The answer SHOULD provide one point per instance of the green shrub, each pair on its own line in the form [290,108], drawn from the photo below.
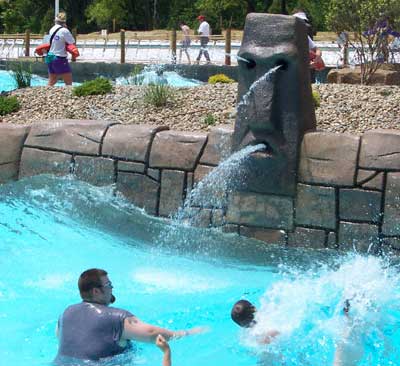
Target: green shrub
[209,120]
[316,98]
[22,74]
[220,78]
[8,105]
[158,94]
[93,87]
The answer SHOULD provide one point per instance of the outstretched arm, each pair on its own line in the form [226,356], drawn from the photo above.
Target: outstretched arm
[135,329]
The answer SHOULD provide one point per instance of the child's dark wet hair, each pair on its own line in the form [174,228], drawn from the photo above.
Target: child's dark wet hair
[242,313]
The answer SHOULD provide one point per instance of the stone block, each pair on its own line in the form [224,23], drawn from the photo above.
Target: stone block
[139,189]
[230,229]
[177,150]
[96,171]
[307,238]
[8,171]
[391,218]
[370,179]
[359,205]
[332,240]
[360,237]
[154,173]
[68,135]
[316,206]
[189,182]
[392,242]
[11,141]
[269,236]
[217,217]
[201,171]
[329,158]
[172,190]
[258,210]
[130,142]
[219,145]
[380,149]
[127,166]
[35,162]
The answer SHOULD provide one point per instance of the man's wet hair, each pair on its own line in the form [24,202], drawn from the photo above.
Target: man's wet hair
[243,313]
[90,279]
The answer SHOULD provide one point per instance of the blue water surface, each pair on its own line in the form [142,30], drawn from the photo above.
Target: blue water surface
[52,229]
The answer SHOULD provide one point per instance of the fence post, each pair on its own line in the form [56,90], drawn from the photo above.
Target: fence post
[74,34]
[173,45]
[122,46]
[228,39]
[27,41]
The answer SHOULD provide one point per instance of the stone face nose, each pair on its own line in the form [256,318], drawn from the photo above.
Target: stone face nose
[275,102]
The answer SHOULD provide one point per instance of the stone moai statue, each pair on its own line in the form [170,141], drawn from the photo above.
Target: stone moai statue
[276,109]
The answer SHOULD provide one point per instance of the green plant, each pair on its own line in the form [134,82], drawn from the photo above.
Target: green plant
[386,92]
[220,78]
[135,76]
[22,74]
[8,105]
[209,120]
[93,87]
[158,94]
[365,26]
[316,98]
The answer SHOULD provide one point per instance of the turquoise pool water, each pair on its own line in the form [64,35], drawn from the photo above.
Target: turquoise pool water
[52,229]
[7,82]
[171,78]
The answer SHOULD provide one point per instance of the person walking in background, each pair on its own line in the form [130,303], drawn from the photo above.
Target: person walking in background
[204,32]
[163,345]
[185,42]
[56,59]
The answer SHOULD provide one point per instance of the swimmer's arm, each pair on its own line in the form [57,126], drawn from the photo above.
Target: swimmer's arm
[268,337]
[135,329]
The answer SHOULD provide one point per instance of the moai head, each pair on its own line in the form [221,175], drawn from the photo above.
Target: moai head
[276,109]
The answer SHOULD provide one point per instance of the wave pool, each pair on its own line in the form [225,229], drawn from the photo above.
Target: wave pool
[52,229]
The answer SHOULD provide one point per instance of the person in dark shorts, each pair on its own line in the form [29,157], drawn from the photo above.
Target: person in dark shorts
[93,330]
[61,36]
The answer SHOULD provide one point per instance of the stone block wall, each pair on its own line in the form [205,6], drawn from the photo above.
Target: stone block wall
[347,194]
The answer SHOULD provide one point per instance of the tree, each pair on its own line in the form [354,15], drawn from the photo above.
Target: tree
[102,12]
[369,22]
[224,11]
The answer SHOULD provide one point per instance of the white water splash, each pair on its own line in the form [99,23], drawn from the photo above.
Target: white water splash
[265,78]
[213,190]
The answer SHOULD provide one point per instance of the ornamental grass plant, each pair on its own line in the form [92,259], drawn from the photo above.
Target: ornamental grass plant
[97,86]
[22,74]
[158,95]
[8,105]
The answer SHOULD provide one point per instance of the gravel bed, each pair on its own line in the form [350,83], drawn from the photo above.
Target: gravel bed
[344,108]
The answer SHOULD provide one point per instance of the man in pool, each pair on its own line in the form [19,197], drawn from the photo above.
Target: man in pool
[92,330]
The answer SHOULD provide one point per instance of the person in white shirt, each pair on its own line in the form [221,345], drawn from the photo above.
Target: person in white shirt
[204,32]
[61,36]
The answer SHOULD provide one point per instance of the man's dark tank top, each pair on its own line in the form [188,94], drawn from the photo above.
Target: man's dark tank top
[91,331]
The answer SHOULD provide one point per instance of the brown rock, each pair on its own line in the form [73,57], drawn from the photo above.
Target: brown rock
[391,219]
[130,142]
[218,146]
[140,189]
[35,162]
[307,238]
[316,206]
[172,189]
[359,205]
[68,135]
[380,149]
[177,150]
[96,171]
[328,158]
